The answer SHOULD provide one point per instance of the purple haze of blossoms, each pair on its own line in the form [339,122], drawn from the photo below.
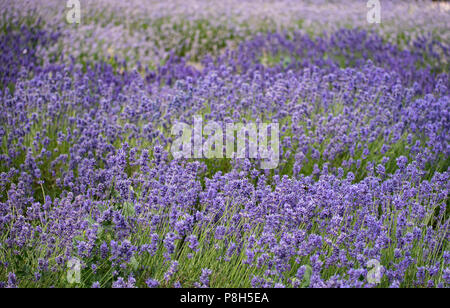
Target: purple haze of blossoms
[86,171]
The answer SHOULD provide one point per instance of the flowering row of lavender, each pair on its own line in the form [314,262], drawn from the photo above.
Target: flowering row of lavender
[147,31]
[91,195]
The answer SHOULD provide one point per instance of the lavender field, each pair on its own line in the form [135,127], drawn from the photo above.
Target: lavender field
[92,195]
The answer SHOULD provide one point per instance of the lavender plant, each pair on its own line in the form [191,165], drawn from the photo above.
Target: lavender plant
[359,198]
